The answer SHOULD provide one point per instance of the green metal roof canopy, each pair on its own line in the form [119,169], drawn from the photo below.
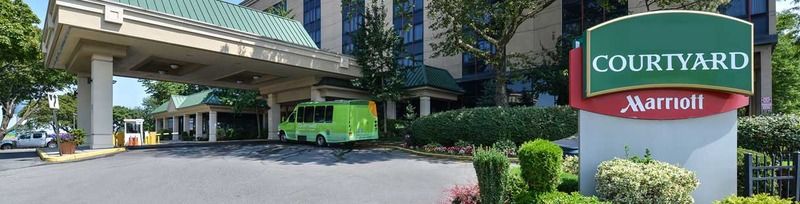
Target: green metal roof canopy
[231,16]
[206,97]
[420,76]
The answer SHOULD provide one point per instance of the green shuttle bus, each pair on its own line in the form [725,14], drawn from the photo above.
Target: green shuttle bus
[331,122]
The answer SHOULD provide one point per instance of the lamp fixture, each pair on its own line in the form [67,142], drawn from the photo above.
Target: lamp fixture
[174,66]
[161,72]
[256,77]
[239,81]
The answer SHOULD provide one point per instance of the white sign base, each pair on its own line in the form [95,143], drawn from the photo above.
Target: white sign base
[706,146]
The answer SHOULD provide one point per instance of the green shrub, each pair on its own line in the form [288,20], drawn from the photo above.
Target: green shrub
[569,183]
[462,143]
[626,181]
[491,167]
[485,126]
[756,199]
[773,134]
[515,186]
[540,161]
[505,145]
[186,137]
[740,179]
[565,198]
[571,164]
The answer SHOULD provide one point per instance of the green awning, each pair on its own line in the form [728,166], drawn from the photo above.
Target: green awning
[231,16]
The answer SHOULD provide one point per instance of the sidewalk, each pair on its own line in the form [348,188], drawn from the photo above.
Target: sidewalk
[174,144]
[51,154]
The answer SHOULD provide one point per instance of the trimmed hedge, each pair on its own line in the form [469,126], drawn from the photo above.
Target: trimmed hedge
[773,134]
[540,161]
[491,167]
[485,126]
[627,181]
[756,199]
[569,183]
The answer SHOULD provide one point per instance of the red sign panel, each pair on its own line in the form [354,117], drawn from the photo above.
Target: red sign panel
[654,104]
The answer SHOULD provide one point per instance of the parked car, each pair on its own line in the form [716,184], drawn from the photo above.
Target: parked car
[30,140]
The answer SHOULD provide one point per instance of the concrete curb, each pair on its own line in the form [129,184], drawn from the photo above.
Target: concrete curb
[202,144]
[439,156]
[78,157]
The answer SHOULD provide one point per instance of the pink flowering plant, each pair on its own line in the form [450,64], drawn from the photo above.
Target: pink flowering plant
[466,194]
[466,149]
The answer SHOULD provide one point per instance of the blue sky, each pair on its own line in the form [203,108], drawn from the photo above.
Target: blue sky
[127,91]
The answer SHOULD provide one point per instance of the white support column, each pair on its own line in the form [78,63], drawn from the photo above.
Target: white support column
[175,132]
[273,117]
[198,125]
[186,123]
[164,123]
[156,124]
[84,103]
[212,126]
[424,106]
[316,95]
[391,110]
[101,95]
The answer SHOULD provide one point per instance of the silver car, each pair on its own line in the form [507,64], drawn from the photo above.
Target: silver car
[30,140]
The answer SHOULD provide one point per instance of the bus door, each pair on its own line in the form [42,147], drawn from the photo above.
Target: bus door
[306,128]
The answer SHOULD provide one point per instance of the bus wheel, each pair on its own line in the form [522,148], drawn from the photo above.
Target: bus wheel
[282,136]
[321,141]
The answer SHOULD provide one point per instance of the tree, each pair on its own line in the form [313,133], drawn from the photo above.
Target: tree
[657,5]
[377,51]
[41,116]
[786,65]
[281,11]
[19,36]
[491,22]
[548,72]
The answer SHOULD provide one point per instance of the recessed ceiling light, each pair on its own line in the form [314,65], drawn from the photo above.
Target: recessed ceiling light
[174,66]
[161,72]
[256,77]
[238,81]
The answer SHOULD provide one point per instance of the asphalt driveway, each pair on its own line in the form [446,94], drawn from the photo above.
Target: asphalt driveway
[18,158]
[240,173]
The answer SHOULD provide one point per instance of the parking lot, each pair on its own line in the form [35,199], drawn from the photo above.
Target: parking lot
[240,173]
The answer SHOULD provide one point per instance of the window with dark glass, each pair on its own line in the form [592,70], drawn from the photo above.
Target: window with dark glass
[300,114]
[411,29]
[290,118]
[328,114]
[757,13]
[352,18]
[309,114]
[579,15]
[312,20]
[319,114]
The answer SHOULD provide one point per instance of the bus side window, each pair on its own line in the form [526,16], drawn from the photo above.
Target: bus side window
[319,114]
[328,114]
[309,114]
[300,114]
[291,117]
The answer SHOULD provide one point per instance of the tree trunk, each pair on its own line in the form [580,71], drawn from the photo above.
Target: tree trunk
[500,79]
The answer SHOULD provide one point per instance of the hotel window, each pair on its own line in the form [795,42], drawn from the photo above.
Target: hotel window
[312,20]
[757,13]
[579,15]
[413,36]
[352,19]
